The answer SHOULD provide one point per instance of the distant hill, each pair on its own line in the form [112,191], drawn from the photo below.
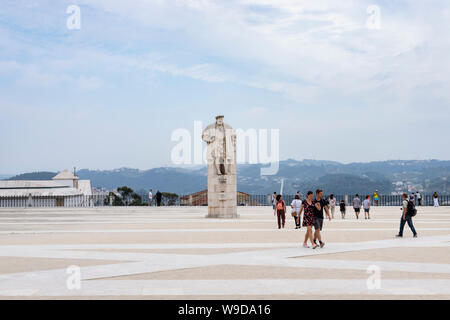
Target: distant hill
[334,177]
[181,181]
[348,184]
[34,176]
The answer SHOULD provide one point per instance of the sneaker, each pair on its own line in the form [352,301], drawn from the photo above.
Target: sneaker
[305,245]
[398,236]
[315,246]
[322,244]
[415,236]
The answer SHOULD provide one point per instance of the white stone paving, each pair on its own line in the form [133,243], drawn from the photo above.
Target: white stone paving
[197,230]
[96,280]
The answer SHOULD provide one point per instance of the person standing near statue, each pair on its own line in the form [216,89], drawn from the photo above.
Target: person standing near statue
[158,198]
[150,198]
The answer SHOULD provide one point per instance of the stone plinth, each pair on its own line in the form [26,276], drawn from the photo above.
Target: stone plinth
[222,194]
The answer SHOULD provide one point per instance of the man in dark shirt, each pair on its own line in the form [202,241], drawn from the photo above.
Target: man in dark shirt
[158,198]
[320,204]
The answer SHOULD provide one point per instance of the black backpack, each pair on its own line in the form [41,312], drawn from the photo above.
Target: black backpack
[411,209]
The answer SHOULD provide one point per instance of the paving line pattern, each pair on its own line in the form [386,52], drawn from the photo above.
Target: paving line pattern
[98,280]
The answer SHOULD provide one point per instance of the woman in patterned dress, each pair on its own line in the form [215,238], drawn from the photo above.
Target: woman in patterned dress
[308,219]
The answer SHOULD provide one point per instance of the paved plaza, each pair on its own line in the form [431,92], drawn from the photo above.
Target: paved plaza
[175,253]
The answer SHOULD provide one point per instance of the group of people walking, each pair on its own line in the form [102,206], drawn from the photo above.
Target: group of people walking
[314,205]
[357,206]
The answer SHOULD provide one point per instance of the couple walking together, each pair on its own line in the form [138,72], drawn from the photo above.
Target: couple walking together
[312,216]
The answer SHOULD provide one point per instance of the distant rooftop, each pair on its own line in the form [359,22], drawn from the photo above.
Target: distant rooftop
[39,192]
[55,187]
[30,184]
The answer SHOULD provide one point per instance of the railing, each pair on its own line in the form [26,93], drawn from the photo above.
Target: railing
[76,201]
[100,200]
[266,200]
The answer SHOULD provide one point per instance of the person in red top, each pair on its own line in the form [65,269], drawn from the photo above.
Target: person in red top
[281,212]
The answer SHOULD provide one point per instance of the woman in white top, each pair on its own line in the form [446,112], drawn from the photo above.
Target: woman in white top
[274,203]
[332,204]
[436,199]
[296,205]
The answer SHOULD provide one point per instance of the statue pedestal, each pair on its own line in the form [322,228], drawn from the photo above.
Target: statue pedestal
[221,158]
[222,194]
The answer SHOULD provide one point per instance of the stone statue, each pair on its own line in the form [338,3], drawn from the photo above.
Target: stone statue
[221,150]
[221,159]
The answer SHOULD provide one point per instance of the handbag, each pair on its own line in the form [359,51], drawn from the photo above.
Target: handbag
[293,212]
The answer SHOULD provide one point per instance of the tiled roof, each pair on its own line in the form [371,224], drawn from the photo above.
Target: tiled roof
[27,184]
[65,175]
[39,192]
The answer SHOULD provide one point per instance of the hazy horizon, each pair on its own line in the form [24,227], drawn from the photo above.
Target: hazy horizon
[200,166]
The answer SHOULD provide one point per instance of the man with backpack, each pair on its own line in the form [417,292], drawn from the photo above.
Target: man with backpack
[409,211]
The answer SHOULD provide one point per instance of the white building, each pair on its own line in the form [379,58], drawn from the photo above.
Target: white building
[64,190]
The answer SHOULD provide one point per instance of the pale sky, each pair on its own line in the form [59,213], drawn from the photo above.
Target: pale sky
[110,94]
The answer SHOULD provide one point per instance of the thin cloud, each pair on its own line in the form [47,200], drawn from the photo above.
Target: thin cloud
[295,60]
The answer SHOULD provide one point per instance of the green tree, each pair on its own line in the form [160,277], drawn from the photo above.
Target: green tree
[170,198]
[129,197]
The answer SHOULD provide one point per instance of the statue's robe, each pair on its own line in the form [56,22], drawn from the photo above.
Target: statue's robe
[222,149]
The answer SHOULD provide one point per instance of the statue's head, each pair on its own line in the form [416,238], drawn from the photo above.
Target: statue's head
[219,120]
